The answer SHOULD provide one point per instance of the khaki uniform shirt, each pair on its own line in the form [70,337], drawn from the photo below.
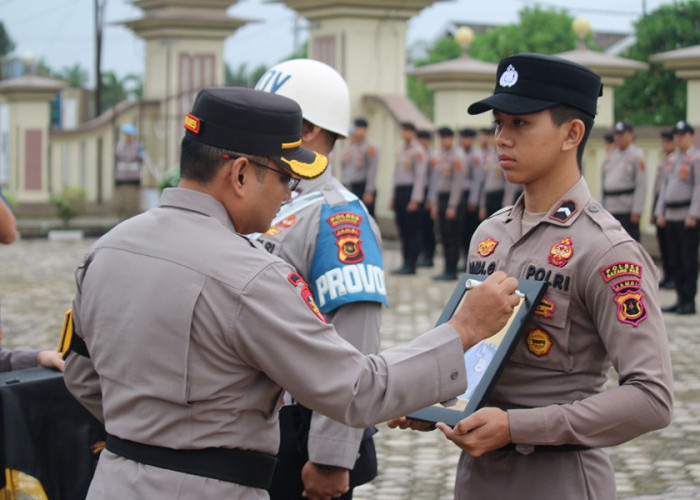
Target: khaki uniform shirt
[295,239]
[601,308]
[448,169]
[494,180]
[474,179]
[624,171]
[411,169]
[193,330]
[663,170]
[679,196]
[359,164]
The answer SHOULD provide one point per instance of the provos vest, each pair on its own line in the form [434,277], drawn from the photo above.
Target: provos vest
[347,265]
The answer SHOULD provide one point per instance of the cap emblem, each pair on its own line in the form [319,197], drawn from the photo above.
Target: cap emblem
[509,77]
[680,125]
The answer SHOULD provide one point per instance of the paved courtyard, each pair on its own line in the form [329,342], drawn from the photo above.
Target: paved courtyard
[36,287]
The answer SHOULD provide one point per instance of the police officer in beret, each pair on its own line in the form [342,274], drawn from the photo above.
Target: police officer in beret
[410,177]
[547,422]
[678,211]
[427,226]
[665,167]
[625,179]
[448,171]
[186,330]
[359,163]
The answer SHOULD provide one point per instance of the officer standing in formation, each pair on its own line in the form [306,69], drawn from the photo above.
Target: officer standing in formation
[359,164]
[448,172]
[182,348]
[471,188]
[624,180]
[492,190]
[410,177]
[547,422]
[328,236]
[665,167]
[427,228]
[678,211]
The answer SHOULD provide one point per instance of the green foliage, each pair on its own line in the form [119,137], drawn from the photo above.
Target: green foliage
[171,178]
[115,89]
[547,31]
[74,76]
[657,96]
[241,77]
[6,43]
[69,203]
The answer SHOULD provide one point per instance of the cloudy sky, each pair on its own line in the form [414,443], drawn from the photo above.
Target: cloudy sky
[61,32]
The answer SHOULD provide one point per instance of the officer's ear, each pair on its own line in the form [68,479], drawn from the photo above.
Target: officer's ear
[239,174]
[575,131]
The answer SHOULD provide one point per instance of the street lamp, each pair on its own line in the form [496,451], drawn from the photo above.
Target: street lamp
[464,36]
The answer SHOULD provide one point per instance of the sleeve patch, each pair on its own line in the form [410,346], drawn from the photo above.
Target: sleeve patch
[305,292]
[627,289]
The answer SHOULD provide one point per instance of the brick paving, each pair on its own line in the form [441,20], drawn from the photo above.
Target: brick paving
[37,286]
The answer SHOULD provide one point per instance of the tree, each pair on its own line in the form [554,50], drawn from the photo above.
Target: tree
[657,96]
[74,76]
[547,31]
[242,77]
[115,90]
[6,43]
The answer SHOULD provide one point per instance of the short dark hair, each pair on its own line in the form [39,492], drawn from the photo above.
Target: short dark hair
[562,113]
[609,138]
[666,134]
[200,162]
[424,134]
[408,126]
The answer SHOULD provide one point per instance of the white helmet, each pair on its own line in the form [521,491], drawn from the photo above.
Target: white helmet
[319,90]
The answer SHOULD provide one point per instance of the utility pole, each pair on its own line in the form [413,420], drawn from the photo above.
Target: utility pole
[99,23]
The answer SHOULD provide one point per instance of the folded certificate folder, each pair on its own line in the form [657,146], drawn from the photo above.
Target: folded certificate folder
[484,361]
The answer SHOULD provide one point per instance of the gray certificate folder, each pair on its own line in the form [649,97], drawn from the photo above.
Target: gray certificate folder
[484,361]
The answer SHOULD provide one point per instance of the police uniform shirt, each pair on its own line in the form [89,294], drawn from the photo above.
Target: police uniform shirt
[680,195]
[624,181]
[662,171]
[194,329]
[359,164]
[411,169]
[341,262]
[601,308]
[475,175]
[448,169]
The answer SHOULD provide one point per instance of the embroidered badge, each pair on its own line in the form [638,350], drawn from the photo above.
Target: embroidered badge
[192,123]
[287,223]
[349,245]
[561,252]
[619,269]
[299,283]
[487,247]
[630,307]
[545,308]
[539,342]
[565,211]
[343,218]
[509,77]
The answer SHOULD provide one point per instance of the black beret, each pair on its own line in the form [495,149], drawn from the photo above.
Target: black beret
[361,122]
[446,132]
[253,122]
[528,83]
[621,127]
[683,127]
[666,134]
[467,132]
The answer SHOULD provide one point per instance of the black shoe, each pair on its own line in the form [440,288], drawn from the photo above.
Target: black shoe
[445,277]
[670,309]
[424,262]
[403,270]
[688,308]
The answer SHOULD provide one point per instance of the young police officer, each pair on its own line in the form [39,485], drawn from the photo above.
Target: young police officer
[189,329]
[543,430]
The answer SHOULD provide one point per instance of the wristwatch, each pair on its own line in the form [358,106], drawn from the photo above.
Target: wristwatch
[326,469]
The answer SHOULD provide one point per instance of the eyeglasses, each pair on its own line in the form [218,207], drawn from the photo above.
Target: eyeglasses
[286,178]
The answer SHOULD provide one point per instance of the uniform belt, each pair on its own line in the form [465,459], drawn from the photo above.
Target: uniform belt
[677,204]
[244,467]
[618,192]
[544,447]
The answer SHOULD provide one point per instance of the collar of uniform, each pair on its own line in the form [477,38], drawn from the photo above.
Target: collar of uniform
[308,185]
[564,211]
[196,201]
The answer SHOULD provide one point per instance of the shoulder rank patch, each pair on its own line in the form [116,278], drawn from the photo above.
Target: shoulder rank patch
[561,252]
[487,247]
[539,342]
[565,211]
[299,283]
